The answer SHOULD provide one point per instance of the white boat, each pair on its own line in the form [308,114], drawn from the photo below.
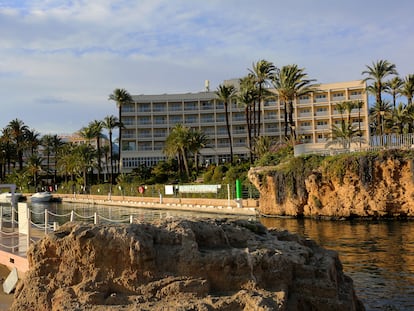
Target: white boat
[6,197]
[44,196]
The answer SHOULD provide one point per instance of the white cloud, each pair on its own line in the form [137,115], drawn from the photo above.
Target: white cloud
[67,56]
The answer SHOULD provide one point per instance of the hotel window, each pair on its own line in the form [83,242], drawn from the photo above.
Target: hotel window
[175,106]
[144,107]
[129,146]
[144,120]
[159,120]
[206,105]
[320,97]
[190,106]
[159,107]
[128,108]
[176,119]
[338,96]
[128,121]
[191,119]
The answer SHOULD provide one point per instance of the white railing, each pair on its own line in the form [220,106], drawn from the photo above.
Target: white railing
[377,142]
[25,225]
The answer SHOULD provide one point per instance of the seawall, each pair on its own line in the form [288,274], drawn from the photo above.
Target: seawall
[220,206]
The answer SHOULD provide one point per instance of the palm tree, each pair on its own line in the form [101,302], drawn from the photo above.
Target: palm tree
[177,144]
[344,135]
[109,123]
[393,88]
[379,112]
[400,118]
[18,131]
[32,140]
[85,156]
[377,73]
[263,145]
[8,148]
[97,127]
[47,143]
[34,166]
[66,162]
[290,83]
[57,144]
[197,140]
[225,93]
[349,106]
[407,88]
[121,97]
[262,72]
[246,97]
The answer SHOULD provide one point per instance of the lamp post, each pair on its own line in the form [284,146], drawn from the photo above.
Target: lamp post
[382,113]
[292,127]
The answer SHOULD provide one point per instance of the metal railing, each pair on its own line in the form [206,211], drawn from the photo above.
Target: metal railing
[25,225]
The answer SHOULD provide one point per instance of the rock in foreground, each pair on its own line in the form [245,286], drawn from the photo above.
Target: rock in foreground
[182,265]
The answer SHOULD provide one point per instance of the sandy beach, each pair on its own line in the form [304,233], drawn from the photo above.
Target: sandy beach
[5,299]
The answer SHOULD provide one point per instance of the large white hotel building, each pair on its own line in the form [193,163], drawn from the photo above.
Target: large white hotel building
[150,118]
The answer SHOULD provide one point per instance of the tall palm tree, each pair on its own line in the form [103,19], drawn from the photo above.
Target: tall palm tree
[109,123]
[8,148]
[377,73]
[379,112]
[225,93]
[290,83]
[344,135]
[407,88]
[178,145]
[85,156]
[34,166]
[97,127]
[121,97]
[400,118]
[246,97]
[57,144]
[47,143]
[32,140]
[393,88]
[262,71]
[18,132]
[349,106]
[66,162]
[197,140]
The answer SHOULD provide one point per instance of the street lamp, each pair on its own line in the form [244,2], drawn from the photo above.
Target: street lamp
[382,113]
[292,127]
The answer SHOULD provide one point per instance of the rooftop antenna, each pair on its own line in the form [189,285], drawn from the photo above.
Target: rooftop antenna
[207,85]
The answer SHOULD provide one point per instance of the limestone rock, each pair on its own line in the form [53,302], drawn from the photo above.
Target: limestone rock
[182,265]
[386,190]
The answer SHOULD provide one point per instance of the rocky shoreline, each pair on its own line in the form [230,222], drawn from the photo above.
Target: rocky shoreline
[176,264]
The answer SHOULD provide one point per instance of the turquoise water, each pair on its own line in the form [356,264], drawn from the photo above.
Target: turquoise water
[378,255]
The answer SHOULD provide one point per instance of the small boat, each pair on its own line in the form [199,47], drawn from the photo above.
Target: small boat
[44,196]
[6,197]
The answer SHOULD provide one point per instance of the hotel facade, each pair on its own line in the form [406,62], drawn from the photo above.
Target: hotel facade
[149,119]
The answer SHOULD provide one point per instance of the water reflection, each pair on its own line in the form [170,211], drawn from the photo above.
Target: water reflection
[378,255]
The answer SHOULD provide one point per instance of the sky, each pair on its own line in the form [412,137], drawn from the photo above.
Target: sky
[60,59]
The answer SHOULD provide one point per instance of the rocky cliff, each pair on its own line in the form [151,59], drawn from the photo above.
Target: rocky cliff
[182,265]
[371,185]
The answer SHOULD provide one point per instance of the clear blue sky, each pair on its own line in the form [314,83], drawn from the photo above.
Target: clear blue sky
[60,59]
